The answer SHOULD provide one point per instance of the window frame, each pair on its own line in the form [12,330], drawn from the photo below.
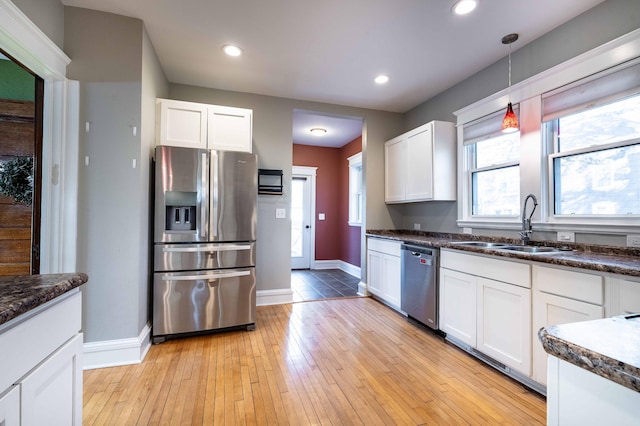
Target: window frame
[355,164]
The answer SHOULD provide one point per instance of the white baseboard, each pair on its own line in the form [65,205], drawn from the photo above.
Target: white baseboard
[362,289]
[274,297]
[111,353]
[338,264]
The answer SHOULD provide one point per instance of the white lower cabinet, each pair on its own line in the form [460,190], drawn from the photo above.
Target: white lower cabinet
[561,297]
[383,270]
[458,305]
[10,407]
[504,323]
[41,371]
[52,393]
[488,314]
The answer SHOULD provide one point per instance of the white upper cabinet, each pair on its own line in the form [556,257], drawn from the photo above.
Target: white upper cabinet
[195,125]
[229,129]
[420,165]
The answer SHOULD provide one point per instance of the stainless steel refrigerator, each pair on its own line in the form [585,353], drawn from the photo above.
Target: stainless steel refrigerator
[204,241]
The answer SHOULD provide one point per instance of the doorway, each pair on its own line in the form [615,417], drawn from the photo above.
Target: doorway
[21,118]
[303,188]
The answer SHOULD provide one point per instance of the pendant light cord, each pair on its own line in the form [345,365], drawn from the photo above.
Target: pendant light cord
[509,72]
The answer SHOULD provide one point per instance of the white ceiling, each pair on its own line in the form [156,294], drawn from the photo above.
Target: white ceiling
[330,51]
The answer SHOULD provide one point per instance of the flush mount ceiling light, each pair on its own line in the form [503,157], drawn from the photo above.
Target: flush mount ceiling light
[462,7]
[510,120]
[231,50]
[318,131]
[381,79]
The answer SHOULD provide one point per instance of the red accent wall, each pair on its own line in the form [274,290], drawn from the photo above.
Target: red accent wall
[335,239]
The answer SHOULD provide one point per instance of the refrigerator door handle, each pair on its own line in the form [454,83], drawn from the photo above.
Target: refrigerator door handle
[212,276]
[226,247]
[214,193]
[204,185]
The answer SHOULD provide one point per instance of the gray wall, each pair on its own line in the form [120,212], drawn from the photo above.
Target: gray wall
[48,15]
[154,85]
[110,55]
[605,22]
[272,141]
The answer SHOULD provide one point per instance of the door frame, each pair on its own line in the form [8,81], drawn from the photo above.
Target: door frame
[309,173]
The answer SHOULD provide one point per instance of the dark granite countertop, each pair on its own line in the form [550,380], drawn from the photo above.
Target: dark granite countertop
[608,347]
[611,259]
[21,293]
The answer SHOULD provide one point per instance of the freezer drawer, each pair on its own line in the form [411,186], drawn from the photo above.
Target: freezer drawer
[193,301]
[192,257]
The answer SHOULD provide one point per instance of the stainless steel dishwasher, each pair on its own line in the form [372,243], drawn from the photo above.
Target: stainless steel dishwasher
[420,284]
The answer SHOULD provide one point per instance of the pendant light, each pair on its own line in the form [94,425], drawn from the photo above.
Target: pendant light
[510,120]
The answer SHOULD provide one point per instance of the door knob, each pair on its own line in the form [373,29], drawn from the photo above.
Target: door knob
[307,227]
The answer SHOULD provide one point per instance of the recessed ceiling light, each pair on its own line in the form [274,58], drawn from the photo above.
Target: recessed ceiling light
[232,50]
[462,7]
[318,131]
[381,79]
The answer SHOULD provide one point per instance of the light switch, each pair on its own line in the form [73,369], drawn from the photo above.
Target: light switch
[281,213]
[321,216]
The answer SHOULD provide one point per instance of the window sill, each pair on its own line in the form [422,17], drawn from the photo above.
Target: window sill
[359,224]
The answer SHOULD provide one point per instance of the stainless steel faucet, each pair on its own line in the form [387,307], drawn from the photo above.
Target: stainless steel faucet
[525,234]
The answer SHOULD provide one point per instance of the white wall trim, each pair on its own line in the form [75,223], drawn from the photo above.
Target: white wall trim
[338,264]
[274,297]
[362,289]
[26,43]
[111,353]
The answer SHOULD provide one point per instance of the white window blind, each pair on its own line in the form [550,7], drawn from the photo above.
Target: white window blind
[618,82]
[486,127]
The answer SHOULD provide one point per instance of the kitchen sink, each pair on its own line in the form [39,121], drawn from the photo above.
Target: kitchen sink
[481,244]
[532,249]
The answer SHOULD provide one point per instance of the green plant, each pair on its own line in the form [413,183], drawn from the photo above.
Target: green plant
[16,179]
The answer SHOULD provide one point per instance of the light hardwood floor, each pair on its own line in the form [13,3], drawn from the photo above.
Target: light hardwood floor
[341,361]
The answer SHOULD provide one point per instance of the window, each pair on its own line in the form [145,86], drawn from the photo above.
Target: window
[493,169]
[593,131]
[355,189]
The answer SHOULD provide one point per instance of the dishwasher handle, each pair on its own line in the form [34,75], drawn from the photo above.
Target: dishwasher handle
[420,251]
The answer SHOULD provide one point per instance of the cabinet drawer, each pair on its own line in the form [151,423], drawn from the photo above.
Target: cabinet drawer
[575,285]
[384,246]
[495,269]
[30,342]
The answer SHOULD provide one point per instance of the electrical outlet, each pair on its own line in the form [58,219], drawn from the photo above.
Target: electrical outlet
[416,226]
[321,216]
[281,213]
[633,240]
[567,237]
[467,230]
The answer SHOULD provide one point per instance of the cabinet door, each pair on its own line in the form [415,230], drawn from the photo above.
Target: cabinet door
[391,276]
[52,393]
[419,166]
[10,407]
[458,305]
[549,309]
[181,124]
[395,164]
[504,323]
[229,128]
[374,272]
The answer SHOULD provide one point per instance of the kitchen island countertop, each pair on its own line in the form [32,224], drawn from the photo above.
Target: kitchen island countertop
[21,293]
[607,347]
